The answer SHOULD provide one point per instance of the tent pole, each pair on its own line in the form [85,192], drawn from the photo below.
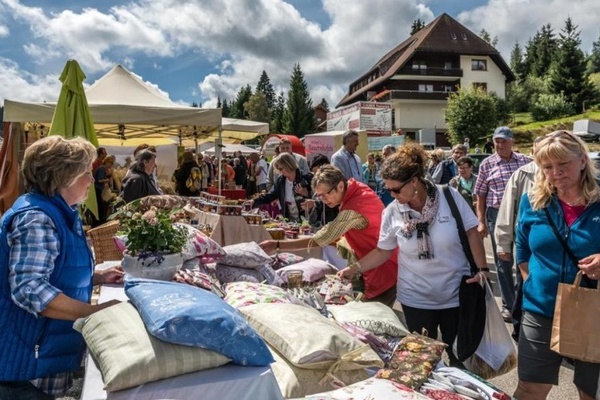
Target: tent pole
[218,143]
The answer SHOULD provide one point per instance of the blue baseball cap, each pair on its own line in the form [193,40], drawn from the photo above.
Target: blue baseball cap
[503,132]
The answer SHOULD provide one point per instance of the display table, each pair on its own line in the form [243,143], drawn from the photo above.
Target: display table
[232,194]
[226,382]
[232,229]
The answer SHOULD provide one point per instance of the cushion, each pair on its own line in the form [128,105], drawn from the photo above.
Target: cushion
[240,294]
[307,339]
[372,316]
[200,245]
[312,269]
[284,259]
[245,255]
[335,290]
[371,388]
[127,355]
[191,316]
[226,274]
[297,382]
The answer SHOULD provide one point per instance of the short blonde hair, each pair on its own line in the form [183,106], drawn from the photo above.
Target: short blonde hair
[53,163]
[559,145]
[285,160]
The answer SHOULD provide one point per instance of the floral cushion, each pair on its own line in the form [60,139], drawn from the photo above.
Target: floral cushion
[281,260]
[191,316]
[335,290]
[313,269]
[245,255]
[226,274]
[200,245]
[128,356]
[413,360]
[240,294]
[371,388]
[307,339]
[372,316]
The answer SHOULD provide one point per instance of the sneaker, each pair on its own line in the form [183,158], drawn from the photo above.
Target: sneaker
[507,316]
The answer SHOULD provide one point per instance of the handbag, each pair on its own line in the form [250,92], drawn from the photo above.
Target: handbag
[576,332]
[472,309]
[106,193]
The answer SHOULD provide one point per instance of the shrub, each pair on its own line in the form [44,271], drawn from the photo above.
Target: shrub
[551,106]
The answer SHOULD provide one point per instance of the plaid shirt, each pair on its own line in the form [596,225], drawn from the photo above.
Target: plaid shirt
[33,249]
[494,173]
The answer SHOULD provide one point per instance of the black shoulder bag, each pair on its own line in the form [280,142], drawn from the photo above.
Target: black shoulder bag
[472,309]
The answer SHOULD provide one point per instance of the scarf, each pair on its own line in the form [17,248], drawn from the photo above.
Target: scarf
[421,225]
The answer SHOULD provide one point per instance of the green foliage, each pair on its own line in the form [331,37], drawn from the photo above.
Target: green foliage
[416,26]
[540,51]
[593,61]
[237,108]
[502,109]
[485,35]
[470,113]
[153,233]
[298,118]
[521,95]
[225,110]
[278,111]
[517,64]
[257,108]
[549,106]
[264,86]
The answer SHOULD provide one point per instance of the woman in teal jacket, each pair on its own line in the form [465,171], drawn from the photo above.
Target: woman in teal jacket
[565,193]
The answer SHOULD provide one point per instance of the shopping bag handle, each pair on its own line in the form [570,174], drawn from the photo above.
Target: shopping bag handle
[578,278]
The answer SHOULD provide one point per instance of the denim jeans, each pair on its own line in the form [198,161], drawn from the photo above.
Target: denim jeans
[504,269]
[22,391]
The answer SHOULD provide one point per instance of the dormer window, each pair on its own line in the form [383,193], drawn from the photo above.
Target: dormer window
[478,65]
[464,36]
[453,35]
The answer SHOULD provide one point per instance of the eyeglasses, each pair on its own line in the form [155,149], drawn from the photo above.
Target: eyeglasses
[326,193]
[399,189]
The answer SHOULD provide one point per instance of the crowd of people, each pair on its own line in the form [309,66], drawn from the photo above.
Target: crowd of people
[392,211]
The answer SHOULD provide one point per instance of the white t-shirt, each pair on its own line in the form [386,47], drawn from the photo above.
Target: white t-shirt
[261,177]
[429,284]
[290,199]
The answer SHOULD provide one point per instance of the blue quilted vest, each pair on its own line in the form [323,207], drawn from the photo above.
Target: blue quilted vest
[34,347]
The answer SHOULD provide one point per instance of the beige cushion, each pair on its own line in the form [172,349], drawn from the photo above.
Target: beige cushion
[297,382]
[307,339]
[372,316]
[127,355]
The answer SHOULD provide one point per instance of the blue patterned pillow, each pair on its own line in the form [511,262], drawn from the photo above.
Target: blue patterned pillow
[186,315]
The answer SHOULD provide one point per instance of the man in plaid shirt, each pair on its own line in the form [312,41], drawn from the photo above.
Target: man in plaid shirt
[494,173]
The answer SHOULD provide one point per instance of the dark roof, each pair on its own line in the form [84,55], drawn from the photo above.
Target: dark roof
[437,37]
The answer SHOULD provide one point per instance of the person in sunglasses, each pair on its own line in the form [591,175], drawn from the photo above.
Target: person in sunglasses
[431,260]
[358,221]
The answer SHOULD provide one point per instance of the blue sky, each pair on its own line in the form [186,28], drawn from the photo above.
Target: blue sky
[195,51]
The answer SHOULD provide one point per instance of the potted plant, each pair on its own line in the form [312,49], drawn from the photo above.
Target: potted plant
[154,244]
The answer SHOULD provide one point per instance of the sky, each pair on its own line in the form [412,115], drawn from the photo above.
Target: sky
[196,51]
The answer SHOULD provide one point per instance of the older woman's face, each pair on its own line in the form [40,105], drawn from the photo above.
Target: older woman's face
[563,174]
[330,196]
[77,191]
[289,174]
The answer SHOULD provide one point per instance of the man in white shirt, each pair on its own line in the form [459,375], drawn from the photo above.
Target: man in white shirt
[345,159]
[260,171]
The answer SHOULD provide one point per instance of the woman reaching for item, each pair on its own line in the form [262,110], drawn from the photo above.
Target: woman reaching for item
[358,221]
[431,260]
[46,272]
[566,195]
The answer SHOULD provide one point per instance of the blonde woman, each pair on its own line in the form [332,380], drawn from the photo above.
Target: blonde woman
[565,194]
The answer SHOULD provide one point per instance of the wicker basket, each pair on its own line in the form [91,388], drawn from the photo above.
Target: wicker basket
[104,246]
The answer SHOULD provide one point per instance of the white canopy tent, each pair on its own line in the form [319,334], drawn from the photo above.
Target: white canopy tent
[232,148]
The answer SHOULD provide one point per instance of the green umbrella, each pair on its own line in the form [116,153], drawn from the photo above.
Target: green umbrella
[72,116]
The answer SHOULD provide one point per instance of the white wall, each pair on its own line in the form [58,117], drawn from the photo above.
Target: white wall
[166,158]
[494,77]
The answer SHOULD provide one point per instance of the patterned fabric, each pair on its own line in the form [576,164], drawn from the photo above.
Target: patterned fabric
[200,245]
[190,316]
[345,220]
[241,294]
[227,274]
[288,258]
[128,356]
[413,360]
[421,225]
[312,269]
[371,388]
[336,291]
[372,316]
[494,173]
[245,255]
[307,339]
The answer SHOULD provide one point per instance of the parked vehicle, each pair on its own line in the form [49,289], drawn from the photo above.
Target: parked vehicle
[477,159]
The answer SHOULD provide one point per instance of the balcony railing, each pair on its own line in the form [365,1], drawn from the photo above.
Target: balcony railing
[431,71]
[413,95]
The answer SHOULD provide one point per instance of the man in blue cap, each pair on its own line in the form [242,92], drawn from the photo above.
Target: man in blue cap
[494,173]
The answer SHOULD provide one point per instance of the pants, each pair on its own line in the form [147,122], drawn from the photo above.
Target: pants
[22,390]
[504,269]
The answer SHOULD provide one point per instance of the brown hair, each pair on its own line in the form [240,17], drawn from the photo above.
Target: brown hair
[408,161]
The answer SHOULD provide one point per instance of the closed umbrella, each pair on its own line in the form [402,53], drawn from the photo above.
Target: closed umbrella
[72,116]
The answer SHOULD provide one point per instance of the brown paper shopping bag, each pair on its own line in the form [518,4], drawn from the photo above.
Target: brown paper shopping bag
[576,326]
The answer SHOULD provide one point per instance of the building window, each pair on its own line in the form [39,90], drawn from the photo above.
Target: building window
[420,65]
[478,65]
[425,88]
[480,85]
[447,88]
[447,65]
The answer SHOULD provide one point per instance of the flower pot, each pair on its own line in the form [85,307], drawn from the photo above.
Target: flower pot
[161,268]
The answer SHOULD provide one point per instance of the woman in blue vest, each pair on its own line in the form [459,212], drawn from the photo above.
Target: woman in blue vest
[46,271]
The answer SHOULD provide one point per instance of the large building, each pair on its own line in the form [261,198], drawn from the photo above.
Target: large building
[418,75]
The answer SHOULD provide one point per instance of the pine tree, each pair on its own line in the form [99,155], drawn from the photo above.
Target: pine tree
[485,35]
[593,61]
[264,86]
[416,26]
[545,51]
[225,110]
[517,63]
[324,104]
[299,115]
[278,111]
[218,101]
[567,76]
[237,108]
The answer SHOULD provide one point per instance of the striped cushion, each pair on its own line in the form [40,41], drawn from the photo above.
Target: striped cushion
[127,355]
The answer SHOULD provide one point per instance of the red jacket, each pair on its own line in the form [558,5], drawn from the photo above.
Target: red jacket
[362,199]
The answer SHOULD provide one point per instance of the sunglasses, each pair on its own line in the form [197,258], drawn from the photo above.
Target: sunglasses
[564,134]
[399,189]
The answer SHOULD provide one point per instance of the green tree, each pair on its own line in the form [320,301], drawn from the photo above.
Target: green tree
[278,111]
[257,109]
[593,61]
[545,51]
[299,115]
[225,110]
[521,95]
[517,64]
[324,104]
[551,106]
[470,113]
[265,87]
[219,104]
[485,35]
[237,108]
[416,26]
[567,76]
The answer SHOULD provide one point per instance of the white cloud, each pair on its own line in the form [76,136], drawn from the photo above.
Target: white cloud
[4,30]
[16,84]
